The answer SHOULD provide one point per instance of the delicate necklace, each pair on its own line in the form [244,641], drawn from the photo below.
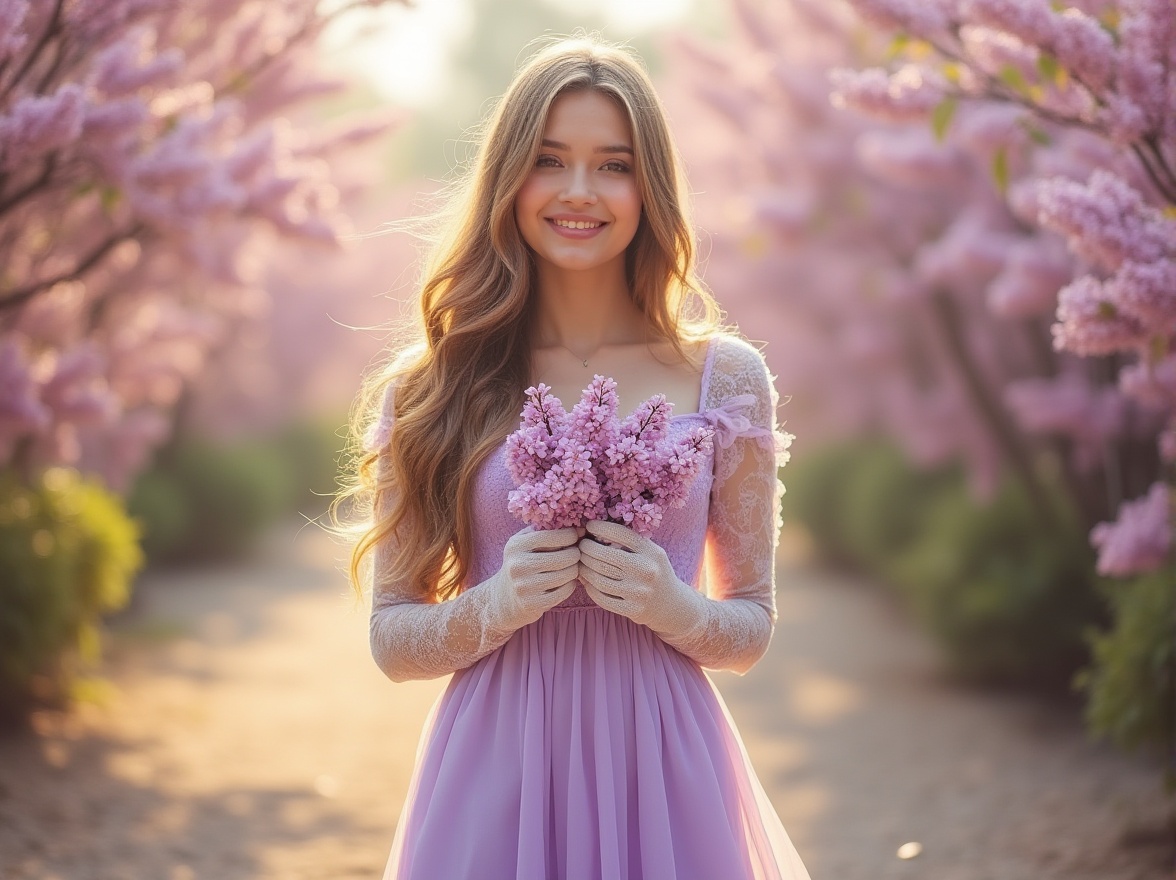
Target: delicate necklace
[582,360]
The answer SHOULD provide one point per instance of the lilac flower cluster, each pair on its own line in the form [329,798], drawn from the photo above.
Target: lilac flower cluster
[1139,541]
[551,455]
[584,465]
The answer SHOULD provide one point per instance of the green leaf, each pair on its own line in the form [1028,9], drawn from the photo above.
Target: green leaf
[1013,78]
[941,116]
[1047,66]
[110,198]
[1000,170]
[897,45]
[1157,348]
[1038,135]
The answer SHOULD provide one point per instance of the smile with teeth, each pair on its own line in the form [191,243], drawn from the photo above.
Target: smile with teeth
[577,224]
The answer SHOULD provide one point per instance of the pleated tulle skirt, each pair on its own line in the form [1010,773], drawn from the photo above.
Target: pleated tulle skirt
[585,748]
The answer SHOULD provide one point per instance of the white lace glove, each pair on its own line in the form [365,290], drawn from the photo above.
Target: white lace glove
[412,638]
[633,577]
[539,570]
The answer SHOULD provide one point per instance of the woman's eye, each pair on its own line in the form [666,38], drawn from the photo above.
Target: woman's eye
[616,165]
[547,162]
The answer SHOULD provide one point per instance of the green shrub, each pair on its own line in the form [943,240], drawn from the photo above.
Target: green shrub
[204,500]
[1008,598]
[1130,684]
[863,503]
[310,450]
[164,513]
[819,484]
[68,553]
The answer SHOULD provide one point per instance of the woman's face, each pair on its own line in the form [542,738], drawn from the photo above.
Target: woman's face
[579,207]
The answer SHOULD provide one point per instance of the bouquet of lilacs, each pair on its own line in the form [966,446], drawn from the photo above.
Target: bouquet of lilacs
[585,465]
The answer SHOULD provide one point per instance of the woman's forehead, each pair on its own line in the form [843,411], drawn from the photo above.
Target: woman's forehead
[587,115]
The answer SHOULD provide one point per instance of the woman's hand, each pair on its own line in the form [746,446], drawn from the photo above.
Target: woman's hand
[633,577]
[539,570]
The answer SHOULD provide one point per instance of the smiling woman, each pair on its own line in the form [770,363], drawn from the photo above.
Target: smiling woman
[580,205]
[579,737]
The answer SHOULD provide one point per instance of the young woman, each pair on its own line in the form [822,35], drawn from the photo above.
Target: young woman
[578,737]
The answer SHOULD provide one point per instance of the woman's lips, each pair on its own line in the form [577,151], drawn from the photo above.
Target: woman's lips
[569,232]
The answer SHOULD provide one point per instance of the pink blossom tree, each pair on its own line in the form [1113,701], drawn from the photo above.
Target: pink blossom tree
[979,259]
[1092,89]
[148,169]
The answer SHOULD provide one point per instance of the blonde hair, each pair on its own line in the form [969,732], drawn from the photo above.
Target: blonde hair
[459,392]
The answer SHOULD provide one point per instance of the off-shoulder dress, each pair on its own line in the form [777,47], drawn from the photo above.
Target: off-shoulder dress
[583,746]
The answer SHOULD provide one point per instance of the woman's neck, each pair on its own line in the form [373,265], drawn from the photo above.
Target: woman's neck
[586,310]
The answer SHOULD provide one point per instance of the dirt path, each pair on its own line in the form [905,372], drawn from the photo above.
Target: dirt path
[249,735]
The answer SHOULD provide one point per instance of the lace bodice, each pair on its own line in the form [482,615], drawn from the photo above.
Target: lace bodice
[722,541]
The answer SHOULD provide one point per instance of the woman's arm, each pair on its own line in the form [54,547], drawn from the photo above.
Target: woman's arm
[631,575]
[414,638]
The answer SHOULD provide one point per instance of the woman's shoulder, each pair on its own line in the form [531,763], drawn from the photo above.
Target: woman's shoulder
[733,352]
[383,415]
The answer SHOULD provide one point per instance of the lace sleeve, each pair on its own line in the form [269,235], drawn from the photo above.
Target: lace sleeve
[410,636]
[744,515]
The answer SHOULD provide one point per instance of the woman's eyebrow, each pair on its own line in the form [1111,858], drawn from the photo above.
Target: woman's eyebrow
[612,148]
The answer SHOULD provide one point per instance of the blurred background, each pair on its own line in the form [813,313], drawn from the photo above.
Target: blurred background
[953,227]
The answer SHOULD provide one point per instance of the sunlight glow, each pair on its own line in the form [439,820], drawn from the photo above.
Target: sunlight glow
[634,16]
[403,51]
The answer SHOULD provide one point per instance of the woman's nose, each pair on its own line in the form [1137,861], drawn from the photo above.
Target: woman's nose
[579,187]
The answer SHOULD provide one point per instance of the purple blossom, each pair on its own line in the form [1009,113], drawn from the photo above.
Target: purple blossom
[1028,285]
[921,18]
[911,157]
[970,250]
[1105,219]
[1152,384]
[993,51]
[1092,417]
[21,409]
[1142,104]
[1089,323]
[129,65]
[985,128]
[1147,292]
[1078,41]
[12,37]
[37,125]
[573,467]
[1140,539]
[77,391]
[910,93]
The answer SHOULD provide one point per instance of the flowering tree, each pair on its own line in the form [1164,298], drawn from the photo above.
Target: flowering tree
[147,167]
[1052,74]
[956,221]
[989,244]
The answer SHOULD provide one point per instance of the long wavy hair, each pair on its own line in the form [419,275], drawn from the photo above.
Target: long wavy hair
[459,389]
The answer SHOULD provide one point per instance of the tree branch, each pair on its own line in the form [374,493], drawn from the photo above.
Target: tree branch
[51,28]
[8,202]
[21,295]
[1152,175]
[990,408]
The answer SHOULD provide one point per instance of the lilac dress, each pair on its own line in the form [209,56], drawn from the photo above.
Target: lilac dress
[583,746]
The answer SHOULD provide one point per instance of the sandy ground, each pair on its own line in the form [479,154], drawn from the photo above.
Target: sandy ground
[247,734]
